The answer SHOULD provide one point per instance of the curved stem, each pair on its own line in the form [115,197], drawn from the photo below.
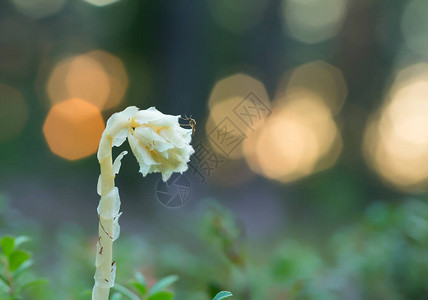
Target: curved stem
[119,127]
[104,254]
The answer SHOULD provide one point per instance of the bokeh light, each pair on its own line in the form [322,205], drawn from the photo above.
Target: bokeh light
[101,2]
[13,113]
[298,139]
[73,129]
[239,15]
[322,79]
[118,77]
[396,138]
[239,86]
[414,25]
[313,21]
[241,99]
[236,131]
[39,8]
[97,77]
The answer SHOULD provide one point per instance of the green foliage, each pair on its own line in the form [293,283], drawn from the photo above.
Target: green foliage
[138,289]
[384,256]
[162,284]
[163,295]
[380,255]
[222,229]
[15,279]
[7,244]
[139,284]
[116,296]
[222,295]
[292,261]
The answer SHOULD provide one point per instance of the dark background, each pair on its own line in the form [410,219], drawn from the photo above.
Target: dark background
[174,53]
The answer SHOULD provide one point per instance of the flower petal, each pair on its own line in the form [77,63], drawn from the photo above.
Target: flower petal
[157,140]
[155,118]
[117,162]
[142,155]
[116,228]
[109,205]
[151,139]
[177,137]
[99,185]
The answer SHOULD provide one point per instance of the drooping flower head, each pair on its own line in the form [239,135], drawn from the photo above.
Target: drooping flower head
[157,140]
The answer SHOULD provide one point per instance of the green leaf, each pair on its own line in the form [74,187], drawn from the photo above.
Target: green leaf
[17,258]
[222,295]
[140,278]
[164,295]
[116,296]
[20,240]
[33,283]
[7,243]
[86,292]
[22,268]
[139,283]
[4,285]
[139,287]
[3,278]
[163,283]
[126,292]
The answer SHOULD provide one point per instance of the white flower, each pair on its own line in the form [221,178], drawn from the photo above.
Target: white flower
[157,140]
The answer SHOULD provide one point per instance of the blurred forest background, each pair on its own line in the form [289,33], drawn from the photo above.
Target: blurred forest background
[324,196]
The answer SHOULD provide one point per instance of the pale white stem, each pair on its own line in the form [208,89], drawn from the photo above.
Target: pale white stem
[105,228]
[159,145]
[108,228]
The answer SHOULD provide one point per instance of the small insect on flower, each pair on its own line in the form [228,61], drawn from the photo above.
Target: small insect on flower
[192,123]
